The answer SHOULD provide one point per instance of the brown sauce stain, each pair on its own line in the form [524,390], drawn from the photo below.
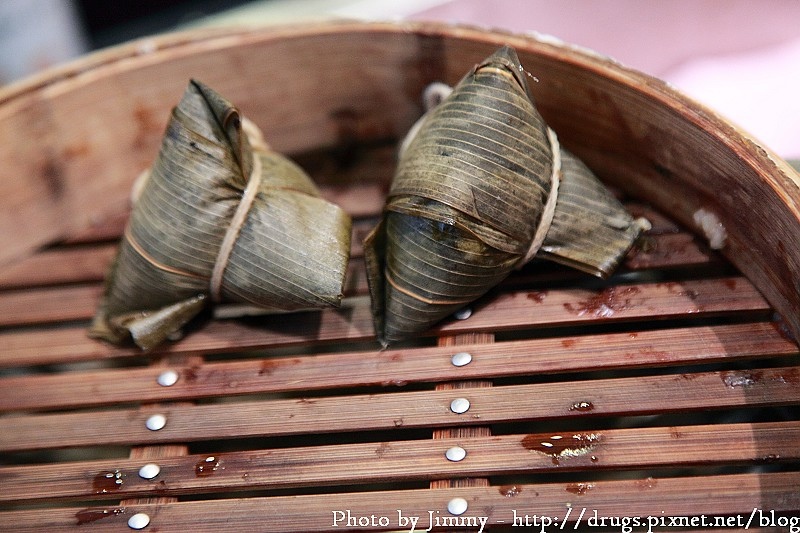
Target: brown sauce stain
[579,488]
[394,383]
[691,293]
[583,407]
[208,466]
[646,483]
[86,516]
[510,491]
[190,373]
[568,343]
[651,353]
[606,303]
[306,401]
[537,296]
[381,450]
[560,447]
[731,284]
[268,366]
[678,290]
[107,482]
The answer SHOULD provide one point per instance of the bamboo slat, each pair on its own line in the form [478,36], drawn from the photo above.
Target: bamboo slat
[80,264]
[722,495]
[645,349]
[516,310]
[363,412]
[397,461]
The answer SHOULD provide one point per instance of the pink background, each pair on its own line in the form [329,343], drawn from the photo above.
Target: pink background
[738,57]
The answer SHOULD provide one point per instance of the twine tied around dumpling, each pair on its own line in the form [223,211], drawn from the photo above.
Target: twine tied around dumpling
[220,218]
[482,187]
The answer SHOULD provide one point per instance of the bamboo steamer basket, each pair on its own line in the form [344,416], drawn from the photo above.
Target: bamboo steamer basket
[338,96]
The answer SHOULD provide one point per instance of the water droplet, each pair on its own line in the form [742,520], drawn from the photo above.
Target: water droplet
[558,447]
[579,488]
[510,491]
[105,482]
[207,466]
[582,406]
[537,296]
[646,483]
[86,516]
[605,303]
[734,379]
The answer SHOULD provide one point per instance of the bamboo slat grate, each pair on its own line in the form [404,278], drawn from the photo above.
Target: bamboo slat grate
[666,393]
[668,389]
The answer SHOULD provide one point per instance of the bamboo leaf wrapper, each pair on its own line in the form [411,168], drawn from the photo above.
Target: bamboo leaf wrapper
[482,186]
[220,218]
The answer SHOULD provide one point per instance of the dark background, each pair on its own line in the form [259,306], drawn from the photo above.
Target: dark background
[112,22]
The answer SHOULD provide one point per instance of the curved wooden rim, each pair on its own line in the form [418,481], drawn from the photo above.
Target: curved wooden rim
[696,160]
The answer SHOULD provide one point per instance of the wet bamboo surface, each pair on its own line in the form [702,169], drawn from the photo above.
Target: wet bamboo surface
[670,389]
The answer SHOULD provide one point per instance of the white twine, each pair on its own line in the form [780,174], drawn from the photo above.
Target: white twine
[225,249]
[550,205]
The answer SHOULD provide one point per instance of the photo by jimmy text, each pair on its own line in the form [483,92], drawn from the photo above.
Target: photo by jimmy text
[425,522]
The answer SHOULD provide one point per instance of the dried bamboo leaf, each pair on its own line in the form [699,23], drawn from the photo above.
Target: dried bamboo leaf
[480,188]
[591,230]
[220,219]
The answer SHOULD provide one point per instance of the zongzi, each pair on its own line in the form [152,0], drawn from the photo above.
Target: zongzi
[482,186]
[220,218]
